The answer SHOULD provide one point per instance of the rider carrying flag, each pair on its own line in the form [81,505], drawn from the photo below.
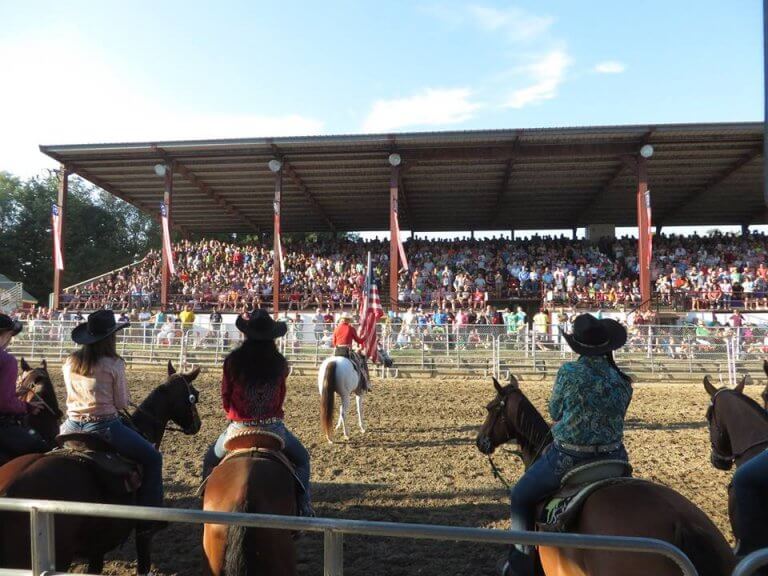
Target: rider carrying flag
[344,335]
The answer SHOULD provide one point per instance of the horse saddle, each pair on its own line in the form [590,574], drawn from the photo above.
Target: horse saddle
[564,506]
[118,475]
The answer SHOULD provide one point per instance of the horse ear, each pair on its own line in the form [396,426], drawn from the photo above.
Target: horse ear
[709,387]
[739,388]
[513,381]
[194,373]
[171,369]
[44,364]
[765,367]
[496,385]
[24,366]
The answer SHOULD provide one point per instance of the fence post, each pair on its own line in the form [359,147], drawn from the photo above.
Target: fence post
[183,351]
[333,554]
[43,542]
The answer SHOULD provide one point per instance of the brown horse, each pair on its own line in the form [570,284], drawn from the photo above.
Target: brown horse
[259,485]
[638,508]
[738,429]
[63,478]
[764,394]
[36,386]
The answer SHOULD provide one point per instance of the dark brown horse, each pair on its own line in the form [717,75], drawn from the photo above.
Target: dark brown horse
[738,429]
[35,386]
[62,478]
[764,394]
[256,485]
[640,508]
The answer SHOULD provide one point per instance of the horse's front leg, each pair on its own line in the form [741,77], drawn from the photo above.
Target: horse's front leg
[143,555]
[96,563]
[359,404]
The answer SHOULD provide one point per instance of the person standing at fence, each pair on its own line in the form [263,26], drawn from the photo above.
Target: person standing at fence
[97,392]
[16,438]
[253,390]
[588,405]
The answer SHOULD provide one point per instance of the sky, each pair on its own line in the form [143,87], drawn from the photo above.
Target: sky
[87,71]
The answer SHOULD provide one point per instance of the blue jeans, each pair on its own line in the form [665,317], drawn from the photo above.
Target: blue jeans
[543,478]
[750,491]
[294,449]
[133,446]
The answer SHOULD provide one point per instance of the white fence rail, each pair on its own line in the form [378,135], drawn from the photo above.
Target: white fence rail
[659,351]
[43,537]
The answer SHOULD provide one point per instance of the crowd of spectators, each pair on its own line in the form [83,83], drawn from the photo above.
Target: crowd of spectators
[712,272]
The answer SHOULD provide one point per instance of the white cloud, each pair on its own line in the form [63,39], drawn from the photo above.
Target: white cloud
[431,107]
[546,73]
[610,67]
[78,97]
[519,25]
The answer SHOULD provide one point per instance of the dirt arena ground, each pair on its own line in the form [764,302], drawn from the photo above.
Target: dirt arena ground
[417,463]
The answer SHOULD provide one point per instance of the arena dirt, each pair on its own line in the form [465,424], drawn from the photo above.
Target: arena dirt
[417,463]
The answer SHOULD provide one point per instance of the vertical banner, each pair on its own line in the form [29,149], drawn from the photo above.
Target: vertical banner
[400,247]
[58,257]
[649,245]
[278,237]
[167,248]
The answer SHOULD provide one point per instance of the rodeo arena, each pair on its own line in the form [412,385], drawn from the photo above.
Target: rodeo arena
[422,375]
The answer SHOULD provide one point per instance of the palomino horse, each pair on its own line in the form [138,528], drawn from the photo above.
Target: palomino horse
[337,375]
[36,385]
[253,478]
[738,430]
[624,509]
[62,478]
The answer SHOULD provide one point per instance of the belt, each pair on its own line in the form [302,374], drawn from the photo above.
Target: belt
[257,423]
[591,449]
[92,418]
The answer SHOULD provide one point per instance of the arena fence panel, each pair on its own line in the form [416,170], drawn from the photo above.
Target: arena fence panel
[43,538]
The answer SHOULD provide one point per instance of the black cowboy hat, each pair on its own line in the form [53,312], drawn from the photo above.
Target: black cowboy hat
[593,337]
[100,324]
[8,323]
[260,326]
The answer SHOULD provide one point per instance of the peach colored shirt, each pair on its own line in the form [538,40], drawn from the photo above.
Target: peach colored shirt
[103,393]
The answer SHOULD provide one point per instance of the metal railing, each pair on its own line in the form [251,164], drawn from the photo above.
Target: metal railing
[11,296]
[43,538]
[651,351]
[752,563]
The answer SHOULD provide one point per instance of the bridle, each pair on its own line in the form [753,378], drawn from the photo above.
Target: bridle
[191,399]
[24,388]
[714,425]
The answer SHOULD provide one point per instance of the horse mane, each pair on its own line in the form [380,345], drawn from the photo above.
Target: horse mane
[759,410]
[533,429]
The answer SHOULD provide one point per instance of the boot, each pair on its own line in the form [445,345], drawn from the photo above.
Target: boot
[516,563]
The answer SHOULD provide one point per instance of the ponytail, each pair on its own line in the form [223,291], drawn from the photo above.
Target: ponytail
[612,362]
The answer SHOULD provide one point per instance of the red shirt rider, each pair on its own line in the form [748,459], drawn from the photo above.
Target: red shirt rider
[344,334]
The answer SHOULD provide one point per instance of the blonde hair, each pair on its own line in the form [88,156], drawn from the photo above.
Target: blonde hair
[85,359]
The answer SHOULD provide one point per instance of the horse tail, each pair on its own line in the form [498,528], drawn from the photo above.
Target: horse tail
[326,399]
[235,554]
[710,555]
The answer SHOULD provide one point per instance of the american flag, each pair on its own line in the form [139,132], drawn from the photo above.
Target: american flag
[649,247]
[167,249]
[370,312]
[57,254]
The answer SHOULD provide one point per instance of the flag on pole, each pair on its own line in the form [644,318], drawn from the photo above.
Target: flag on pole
[57,253]
[370,312]
[278,238]
[649,246]
[400,248]
[167,249]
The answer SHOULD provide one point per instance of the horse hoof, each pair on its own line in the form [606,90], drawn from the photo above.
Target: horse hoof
[362,430]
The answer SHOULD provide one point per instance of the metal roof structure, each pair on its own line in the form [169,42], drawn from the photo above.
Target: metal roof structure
[700,174]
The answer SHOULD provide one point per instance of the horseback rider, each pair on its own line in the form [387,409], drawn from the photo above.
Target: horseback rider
[97,392]
[749,519]
[253,388]
[16,438]
[343,337]
[588,405]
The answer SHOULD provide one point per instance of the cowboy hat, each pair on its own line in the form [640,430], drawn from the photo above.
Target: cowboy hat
[593,337]
[345,316]
[100,324]
[8,323]
[260,326]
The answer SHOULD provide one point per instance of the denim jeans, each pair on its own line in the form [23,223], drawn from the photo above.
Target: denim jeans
[294,449]
[133,446]
[543,478]
[750,487]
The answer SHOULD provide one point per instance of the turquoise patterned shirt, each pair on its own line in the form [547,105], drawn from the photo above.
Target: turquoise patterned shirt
[589,402]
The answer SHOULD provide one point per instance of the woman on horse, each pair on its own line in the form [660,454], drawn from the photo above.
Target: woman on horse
[588,405]
[344,335]
[97,392]
[750,517]
[16,438]
[253,388]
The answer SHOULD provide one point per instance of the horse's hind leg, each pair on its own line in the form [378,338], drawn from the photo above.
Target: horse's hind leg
[96,563]
[343,415]
[359,403]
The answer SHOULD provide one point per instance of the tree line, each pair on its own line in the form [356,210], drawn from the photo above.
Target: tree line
[101,233]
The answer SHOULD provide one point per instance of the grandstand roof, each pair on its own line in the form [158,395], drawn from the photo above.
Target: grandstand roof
[700,174]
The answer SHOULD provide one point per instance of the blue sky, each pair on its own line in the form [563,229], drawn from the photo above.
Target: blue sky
[82,71]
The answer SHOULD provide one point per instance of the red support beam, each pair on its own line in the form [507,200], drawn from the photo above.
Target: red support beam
[394,178]
[62,202]
[276,244]
[165,281]
[643,237]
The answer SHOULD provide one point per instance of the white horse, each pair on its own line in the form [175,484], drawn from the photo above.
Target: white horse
[337,375]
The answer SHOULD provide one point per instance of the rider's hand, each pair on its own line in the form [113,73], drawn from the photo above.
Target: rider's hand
[35,407]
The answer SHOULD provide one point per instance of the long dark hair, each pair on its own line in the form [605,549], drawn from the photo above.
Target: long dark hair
[612,362]
[255,363]
[85,359]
